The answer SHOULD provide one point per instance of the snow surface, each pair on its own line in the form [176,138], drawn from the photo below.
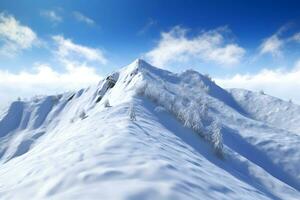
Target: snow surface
[271,110]
[72,146]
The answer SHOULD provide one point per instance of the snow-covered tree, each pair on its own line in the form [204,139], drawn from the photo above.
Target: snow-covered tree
[189,114]
[216,138]
[132,114]
[193,113]
[208,76]
[106,103]
[82,115]
[261,92]
[203,109]
[197,124]
[35,98]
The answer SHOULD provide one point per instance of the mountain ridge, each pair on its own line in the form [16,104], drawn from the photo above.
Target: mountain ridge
[92,130]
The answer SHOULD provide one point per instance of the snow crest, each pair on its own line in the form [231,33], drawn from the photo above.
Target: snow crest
[147,133]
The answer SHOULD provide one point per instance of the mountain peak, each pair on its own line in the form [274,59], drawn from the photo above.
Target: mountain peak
[101,136]
[139,63]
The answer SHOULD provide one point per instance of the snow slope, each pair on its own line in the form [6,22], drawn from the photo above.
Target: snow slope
[72,146]
[271,110]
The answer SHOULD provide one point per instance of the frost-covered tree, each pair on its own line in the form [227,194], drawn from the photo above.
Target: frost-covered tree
[193,113]
[35,98]
[132,114]
[216,138]
[188,115]
[82,115]
[106,103]
[197,124]
[203,109]
[208,76]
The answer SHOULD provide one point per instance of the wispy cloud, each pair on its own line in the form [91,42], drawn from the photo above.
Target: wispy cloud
[208,46]
[150,23]
[52,15]
[278,82]
[14,36]
[274,45]
[82,18]
[66,49]
[296,37]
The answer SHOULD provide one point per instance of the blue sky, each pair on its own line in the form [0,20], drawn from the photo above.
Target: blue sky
[250,44]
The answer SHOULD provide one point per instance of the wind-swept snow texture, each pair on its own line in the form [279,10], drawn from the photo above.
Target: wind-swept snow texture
[146,133]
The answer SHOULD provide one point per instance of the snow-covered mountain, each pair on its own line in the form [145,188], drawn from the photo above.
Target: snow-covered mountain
[146,133]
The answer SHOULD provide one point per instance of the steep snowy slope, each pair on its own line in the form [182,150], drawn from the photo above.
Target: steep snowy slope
[83,145]
[271,110]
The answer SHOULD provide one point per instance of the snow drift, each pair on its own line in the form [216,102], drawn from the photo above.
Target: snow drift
[146,133]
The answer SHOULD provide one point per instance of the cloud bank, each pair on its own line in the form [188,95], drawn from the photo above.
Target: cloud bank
[77,72]
[281,83]
[43,79]
[209,46]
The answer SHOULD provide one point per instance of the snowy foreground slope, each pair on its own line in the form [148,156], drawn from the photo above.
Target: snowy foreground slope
[84,145]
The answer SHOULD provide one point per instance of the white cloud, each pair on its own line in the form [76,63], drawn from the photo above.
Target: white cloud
[281,83]
[68,50]
[275,44]
[175,46]
[82,18]
[296,37]
[52,15]
[272,45]
[150,23]
[14,37]
[43,79]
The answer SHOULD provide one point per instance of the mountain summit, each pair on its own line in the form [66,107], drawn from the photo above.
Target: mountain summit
[147,133]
